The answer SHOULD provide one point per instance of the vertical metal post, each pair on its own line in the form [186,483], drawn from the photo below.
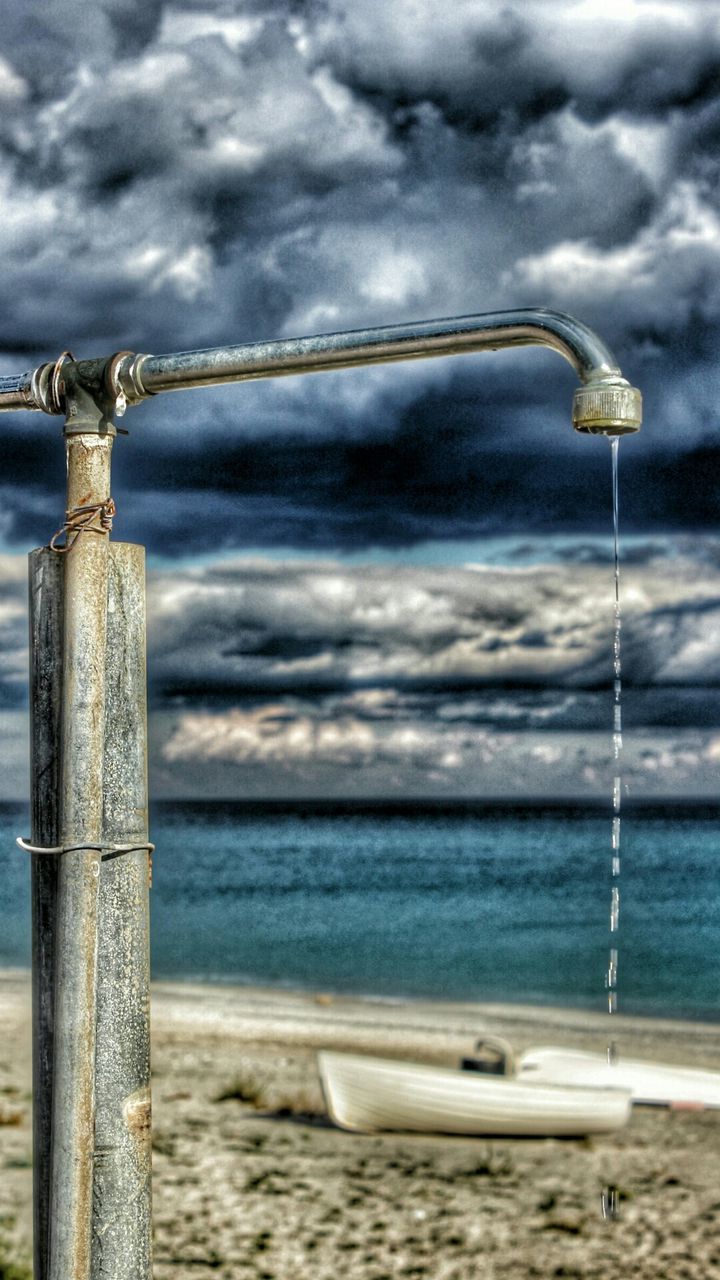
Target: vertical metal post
[97,1172]
[122,1222]
[46,622]
[90,906]
[82,730]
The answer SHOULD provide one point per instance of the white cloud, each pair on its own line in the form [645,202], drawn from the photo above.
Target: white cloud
[660,276]
[12,86]
[185,26]
[242,622]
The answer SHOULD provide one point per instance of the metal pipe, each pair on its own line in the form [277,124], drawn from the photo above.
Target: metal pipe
[606,402]
[415,341]
[16,392]
[82,733]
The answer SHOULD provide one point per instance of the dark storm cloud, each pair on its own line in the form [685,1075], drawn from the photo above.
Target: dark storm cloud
[181,175]
[446,467]
[454,482]
[319,677]
[422,635]
[43,41]
[456,678]
[485,58]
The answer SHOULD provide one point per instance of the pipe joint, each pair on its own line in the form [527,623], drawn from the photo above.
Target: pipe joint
[607,405]
[123,380]
[47,384]
[89,408]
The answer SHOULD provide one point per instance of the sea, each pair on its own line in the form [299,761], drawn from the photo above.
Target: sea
[465,901]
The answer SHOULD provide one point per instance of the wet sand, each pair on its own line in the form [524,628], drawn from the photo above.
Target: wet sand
[251,1180]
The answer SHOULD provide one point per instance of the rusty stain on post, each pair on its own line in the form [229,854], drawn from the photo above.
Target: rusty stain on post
[83,715]
[122,1208]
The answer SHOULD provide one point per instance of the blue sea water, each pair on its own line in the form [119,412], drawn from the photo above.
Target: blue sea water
[468,902]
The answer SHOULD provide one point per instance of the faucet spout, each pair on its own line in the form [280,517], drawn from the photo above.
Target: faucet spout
[605,402]
[607,406]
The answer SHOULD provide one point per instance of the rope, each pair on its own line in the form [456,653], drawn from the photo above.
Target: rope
[96,518]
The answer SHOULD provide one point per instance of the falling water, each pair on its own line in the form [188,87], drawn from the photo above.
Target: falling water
[609,1197]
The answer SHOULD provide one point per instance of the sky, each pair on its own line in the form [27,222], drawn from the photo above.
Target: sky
[387,581]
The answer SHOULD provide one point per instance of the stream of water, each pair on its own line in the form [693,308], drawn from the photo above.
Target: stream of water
[609,1198]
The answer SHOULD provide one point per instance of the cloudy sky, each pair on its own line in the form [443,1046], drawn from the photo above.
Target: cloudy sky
[392,580]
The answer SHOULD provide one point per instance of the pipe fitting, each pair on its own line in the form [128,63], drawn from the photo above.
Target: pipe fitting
[123,380]
[607,406]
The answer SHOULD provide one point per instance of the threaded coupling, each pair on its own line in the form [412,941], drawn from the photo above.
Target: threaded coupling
[607,406]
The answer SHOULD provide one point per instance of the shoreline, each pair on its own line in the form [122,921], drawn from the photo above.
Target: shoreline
[432,1030]
[250,1179]
[237,1009]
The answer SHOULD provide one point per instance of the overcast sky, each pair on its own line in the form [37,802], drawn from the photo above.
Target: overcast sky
[178,176]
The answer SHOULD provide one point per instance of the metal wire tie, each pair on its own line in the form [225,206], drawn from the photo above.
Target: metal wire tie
[83,520]
[106,851]
[112,850]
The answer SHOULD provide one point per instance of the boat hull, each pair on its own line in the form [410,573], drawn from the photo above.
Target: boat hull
[364,1093]
[650,1083]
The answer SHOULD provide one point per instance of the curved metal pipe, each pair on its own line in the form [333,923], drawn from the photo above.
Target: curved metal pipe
[416,341]
[612,407]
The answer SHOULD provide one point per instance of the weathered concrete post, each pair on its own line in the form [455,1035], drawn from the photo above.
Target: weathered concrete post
[122,1219]
[90,901]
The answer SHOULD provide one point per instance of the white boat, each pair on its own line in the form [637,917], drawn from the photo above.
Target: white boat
[650,1083]
[381,1093]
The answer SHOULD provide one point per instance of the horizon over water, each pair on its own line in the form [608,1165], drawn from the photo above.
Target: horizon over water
[463,900]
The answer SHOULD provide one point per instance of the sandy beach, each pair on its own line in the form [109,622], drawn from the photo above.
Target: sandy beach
[251,1180]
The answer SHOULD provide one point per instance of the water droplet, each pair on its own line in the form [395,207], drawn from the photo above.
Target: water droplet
[609,1204]
[615,837]
[614,909]
[611,982]
[616,866]
[617,787]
